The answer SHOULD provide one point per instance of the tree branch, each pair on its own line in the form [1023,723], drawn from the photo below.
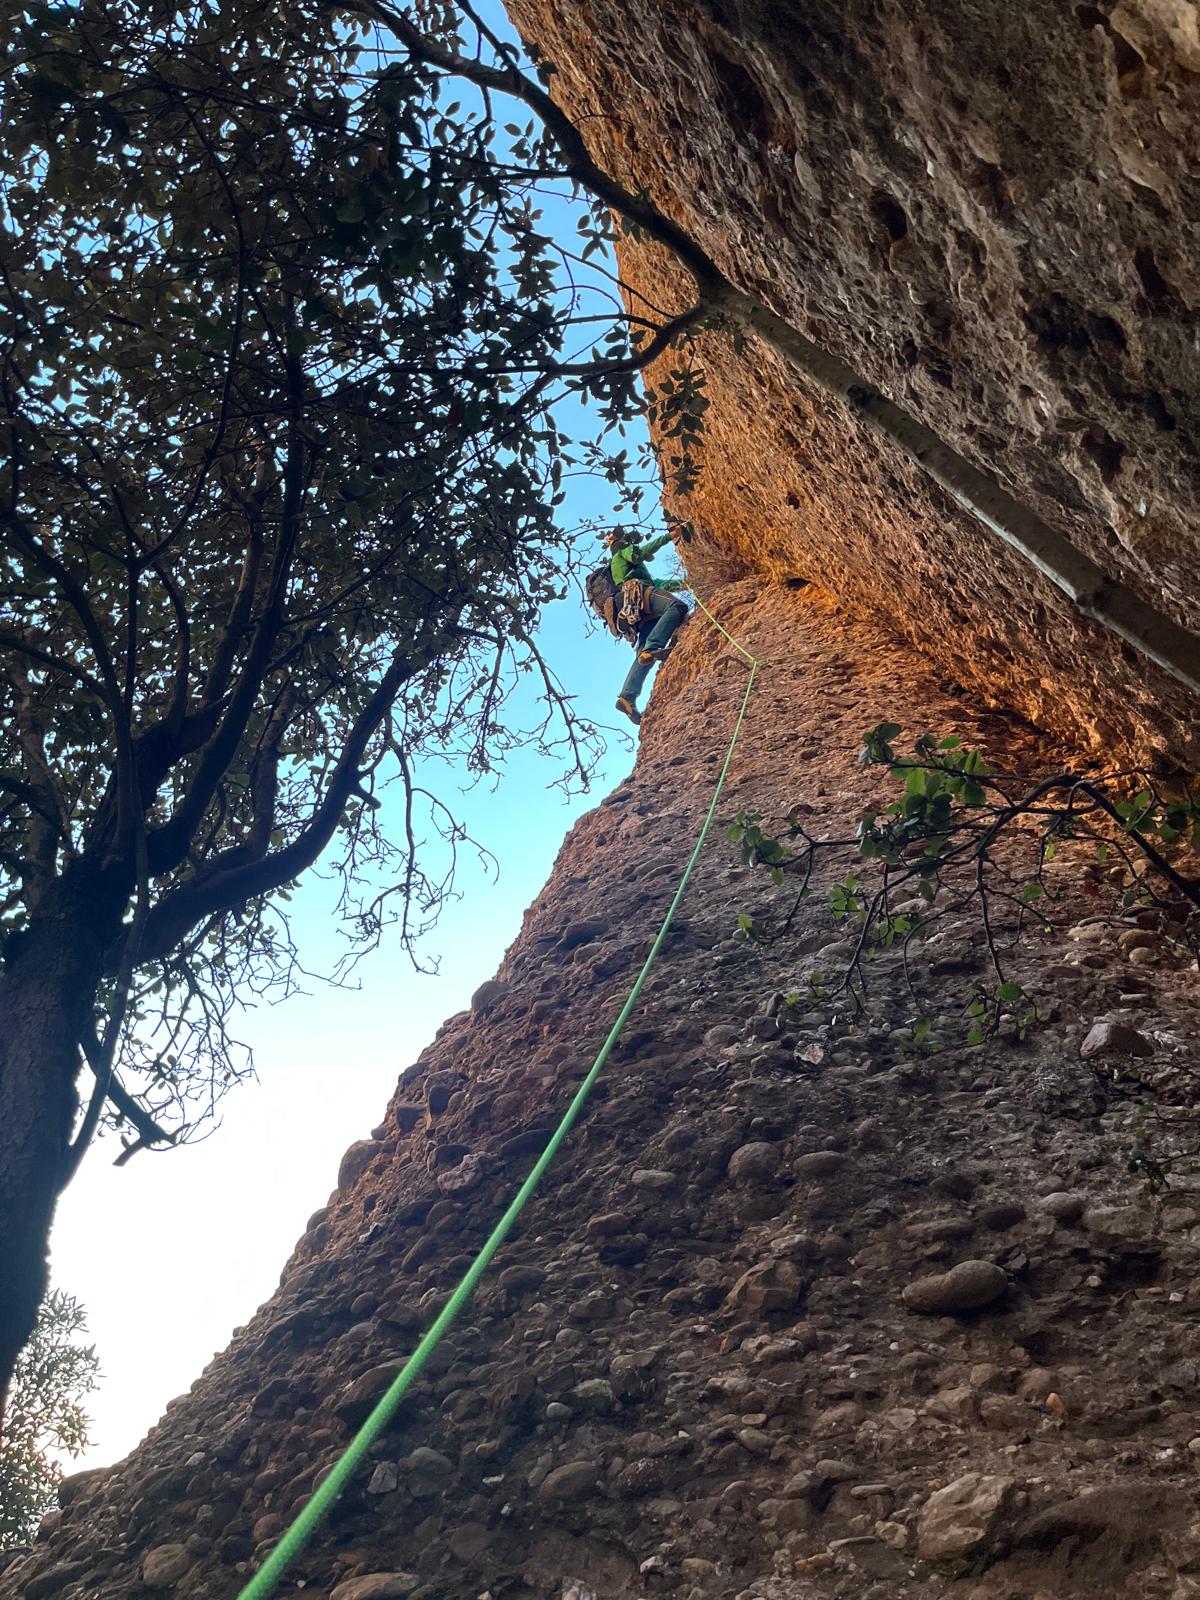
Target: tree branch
[212,893]
[169,844]
[50,825]
[108,1086]
[235,342]
[1093,593]
[101,1053]
[234,630]
[47,658]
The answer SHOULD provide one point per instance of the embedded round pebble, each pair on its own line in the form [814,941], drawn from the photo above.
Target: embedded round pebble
[1063,1207]
[966,1287]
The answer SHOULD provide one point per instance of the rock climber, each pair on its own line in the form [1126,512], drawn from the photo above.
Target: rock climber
[650,609]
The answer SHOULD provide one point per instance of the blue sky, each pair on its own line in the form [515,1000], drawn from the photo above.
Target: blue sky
[171,1252]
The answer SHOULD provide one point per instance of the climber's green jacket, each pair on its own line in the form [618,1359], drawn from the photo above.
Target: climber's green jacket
[629,561]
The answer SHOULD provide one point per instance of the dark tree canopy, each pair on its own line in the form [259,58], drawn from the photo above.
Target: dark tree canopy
[281,338]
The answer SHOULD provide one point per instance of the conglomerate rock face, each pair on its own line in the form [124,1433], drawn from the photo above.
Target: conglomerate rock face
[992,212]
[801,1311]
[804,1310]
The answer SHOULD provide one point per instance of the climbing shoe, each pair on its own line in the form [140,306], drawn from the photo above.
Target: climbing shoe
[654,655]
[625,704]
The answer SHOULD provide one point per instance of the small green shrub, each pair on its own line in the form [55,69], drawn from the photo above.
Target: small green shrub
[955,836]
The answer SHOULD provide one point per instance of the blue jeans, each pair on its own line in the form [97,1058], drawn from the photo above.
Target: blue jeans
[666,613]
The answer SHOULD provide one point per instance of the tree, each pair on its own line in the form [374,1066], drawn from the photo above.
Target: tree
[280,347]
[45,1416]
[281,341]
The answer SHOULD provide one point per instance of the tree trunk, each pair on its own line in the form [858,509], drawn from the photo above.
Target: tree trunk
[47,994]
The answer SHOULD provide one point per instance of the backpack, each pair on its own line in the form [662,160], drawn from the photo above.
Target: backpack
[604,597]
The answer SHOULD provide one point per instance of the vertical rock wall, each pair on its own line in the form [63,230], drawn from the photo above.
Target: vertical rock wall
[803,1310]
[695,1370]
[991,212]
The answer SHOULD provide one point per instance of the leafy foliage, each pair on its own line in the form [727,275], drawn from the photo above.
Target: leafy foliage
[285,331]
[958,836]
[45,1417]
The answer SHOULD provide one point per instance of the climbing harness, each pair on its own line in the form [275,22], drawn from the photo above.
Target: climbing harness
[622,607]
[313,1514]
[635,599]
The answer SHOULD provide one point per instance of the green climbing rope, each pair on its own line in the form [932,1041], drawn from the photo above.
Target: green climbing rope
[754,660]
[313,1514]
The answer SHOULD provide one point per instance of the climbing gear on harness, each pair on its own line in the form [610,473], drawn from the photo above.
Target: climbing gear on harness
[319,1505]
[634,597]
[622,607]
[625,704]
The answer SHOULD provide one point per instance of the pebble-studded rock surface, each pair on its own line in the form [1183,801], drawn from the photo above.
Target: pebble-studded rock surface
[800,1311]
[992,213]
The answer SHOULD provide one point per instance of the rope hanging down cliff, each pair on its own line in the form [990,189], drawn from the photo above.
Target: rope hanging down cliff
[264,1582]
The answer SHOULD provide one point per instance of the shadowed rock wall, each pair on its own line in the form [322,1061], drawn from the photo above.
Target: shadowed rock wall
[693,1371]
[992,212]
